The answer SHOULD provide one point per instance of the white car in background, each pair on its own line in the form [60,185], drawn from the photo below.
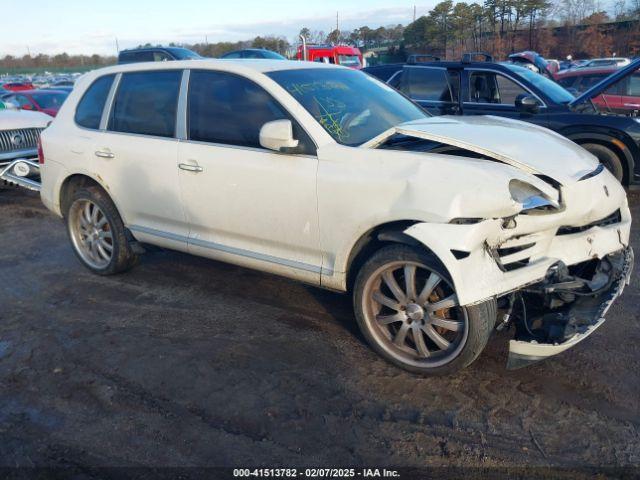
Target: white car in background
[442,228]
[19,134]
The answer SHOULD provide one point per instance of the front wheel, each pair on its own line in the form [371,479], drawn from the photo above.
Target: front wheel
[407,309]
[97,233]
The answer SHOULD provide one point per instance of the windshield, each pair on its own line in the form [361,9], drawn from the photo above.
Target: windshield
[554,91]
[50,100]
[350,105]
[349,60]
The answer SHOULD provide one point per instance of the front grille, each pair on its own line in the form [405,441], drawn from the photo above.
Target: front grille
[21,139]
[615,217]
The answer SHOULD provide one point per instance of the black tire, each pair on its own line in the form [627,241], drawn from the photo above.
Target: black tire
[122,257]
[608,157]
[477,320]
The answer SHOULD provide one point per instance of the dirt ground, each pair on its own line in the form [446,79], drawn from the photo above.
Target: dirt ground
[190,362]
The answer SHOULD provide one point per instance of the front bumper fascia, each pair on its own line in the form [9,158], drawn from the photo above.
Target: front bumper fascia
[523,353]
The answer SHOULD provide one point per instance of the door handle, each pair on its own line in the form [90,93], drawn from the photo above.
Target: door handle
[190,168]
[104,154]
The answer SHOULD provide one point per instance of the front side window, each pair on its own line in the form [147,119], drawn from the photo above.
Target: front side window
[550,88]
[488,87]
[350,105]
[146,103]
[228,109]
[89,110]
[50,100]
[161,57]
[427,84]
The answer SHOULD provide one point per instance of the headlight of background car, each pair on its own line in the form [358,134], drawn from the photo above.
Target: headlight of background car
[531,198]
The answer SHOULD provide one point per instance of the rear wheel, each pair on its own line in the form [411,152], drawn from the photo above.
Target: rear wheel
[607,157]
[407,309]
[97,233]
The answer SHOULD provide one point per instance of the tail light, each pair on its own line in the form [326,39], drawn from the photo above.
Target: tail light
[40,152]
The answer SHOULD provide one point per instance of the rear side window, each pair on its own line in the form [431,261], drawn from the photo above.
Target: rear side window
[229,109]
[146,103]
[427,84]
[89,110]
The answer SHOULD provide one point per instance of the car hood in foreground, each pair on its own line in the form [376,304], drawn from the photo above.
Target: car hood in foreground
[532,149]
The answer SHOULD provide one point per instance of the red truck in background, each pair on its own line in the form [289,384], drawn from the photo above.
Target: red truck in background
[336,54]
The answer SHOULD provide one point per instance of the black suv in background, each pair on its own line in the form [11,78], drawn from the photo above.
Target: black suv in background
[156,54]
[470,87]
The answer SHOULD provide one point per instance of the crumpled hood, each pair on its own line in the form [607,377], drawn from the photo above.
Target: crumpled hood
[528,147]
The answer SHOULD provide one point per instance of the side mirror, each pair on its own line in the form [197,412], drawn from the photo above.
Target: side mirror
[527,103]
[278,135]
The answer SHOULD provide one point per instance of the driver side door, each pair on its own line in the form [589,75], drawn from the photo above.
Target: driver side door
[245,204]
[490,93]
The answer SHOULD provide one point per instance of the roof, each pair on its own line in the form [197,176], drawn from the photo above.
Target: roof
[233,65]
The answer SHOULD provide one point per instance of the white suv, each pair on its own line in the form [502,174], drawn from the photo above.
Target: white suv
[323,174]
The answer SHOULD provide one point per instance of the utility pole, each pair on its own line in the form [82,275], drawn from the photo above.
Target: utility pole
[337,25]
[414,13]
[28,51]
[117,46]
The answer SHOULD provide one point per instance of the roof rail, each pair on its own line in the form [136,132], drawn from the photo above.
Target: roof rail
[468,57]
[421,58]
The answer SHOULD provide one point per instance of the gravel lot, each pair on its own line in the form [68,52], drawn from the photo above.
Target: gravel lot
[189,362]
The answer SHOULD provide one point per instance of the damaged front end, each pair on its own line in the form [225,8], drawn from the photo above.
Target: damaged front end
[560,311]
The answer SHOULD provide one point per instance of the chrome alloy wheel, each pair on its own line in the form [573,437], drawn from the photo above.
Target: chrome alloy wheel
[414,315]
[91,233]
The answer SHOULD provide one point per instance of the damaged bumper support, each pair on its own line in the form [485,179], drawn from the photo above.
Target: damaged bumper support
[24,172]
[574,308]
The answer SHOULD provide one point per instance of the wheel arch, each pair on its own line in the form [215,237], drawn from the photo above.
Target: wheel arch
[74,182]
[618,141]
[375,238]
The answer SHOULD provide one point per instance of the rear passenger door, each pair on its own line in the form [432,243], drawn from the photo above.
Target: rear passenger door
[433,88]
[246,204]
[136,156]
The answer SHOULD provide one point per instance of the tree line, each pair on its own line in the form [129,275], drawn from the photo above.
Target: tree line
[553,28]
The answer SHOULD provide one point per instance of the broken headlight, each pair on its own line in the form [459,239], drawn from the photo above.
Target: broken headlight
[531,198]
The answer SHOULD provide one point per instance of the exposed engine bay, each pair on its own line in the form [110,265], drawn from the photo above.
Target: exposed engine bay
[567,305]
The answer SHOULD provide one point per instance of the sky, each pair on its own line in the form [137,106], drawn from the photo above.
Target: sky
[89,26]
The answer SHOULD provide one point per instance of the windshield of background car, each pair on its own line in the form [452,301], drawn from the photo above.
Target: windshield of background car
[50,100]
[350,105]
[349,60]
[551,89]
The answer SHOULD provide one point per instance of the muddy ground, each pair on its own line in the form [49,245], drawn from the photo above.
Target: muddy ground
[190,362]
